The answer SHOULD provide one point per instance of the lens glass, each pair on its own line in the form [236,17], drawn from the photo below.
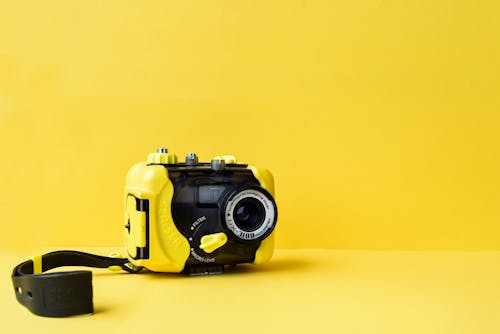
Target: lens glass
[249,214]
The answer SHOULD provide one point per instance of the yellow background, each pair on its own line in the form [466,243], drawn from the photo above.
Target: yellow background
[379,119]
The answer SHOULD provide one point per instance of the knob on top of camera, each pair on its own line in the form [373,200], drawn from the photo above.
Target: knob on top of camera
[161,156]
[191,159]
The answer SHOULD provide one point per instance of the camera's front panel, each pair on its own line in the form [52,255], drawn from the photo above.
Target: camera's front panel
[223,214]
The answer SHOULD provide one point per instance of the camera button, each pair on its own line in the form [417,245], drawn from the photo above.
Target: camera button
[211,242]
[161,157]
[217,164]
[191,159]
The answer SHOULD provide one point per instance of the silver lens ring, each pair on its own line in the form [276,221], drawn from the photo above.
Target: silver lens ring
[269,215]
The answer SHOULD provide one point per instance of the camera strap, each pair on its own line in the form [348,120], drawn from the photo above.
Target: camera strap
[61,294]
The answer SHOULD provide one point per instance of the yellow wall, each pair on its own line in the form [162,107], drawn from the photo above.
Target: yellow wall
[379,119]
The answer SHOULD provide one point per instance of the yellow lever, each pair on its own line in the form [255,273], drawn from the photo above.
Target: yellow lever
[211,242]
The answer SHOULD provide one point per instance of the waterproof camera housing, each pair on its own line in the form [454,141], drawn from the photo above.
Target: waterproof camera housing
[198,217]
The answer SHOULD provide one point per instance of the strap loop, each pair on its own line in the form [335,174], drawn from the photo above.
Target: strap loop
[37,264]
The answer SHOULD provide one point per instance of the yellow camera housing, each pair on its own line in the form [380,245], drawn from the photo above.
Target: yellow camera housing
[198,217]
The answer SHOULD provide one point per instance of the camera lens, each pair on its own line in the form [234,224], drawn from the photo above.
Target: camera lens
[250,213]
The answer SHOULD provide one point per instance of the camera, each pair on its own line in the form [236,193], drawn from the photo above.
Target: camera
[191,217]
[198,217]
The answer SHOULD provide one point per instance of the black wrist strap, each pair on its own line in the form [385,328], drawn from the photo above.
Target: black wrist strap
[60,294]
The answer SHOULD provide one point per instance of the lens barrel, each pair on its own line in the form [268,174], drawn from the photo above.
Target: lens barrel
[249,213]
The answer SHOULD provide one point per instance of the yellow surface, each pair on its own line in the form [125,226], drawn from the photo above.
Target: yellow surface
[379,119]
[299,291]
